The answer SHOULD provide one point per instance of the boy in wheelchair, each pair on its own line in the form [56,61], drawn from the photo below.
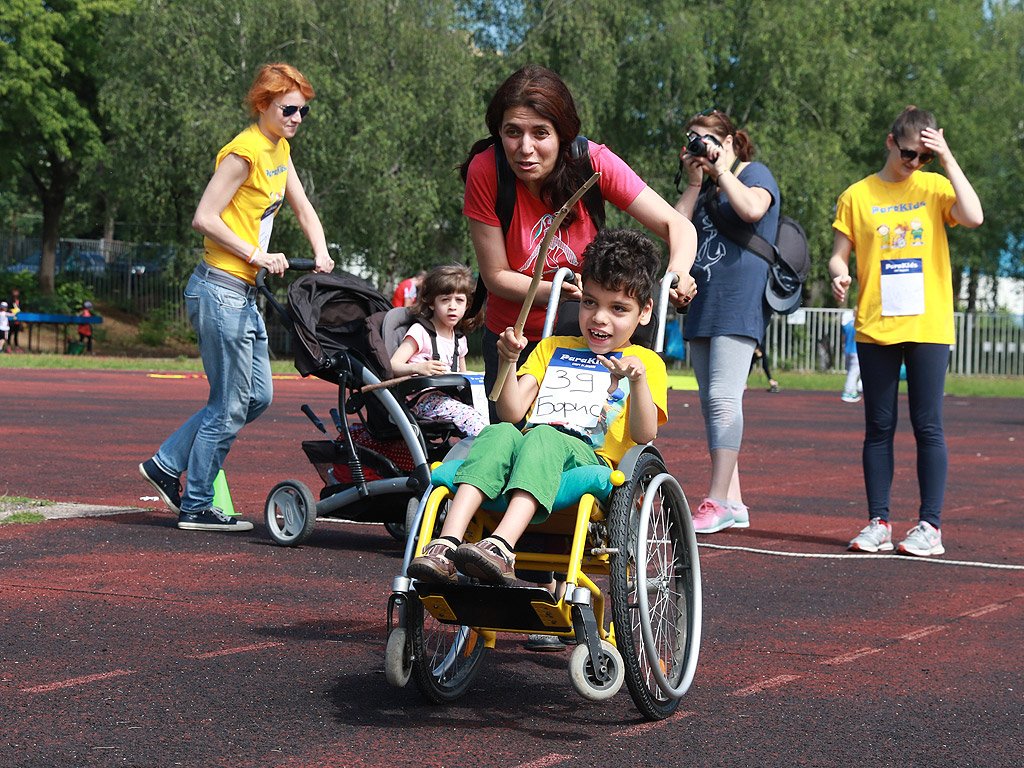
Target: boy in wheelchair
[586,400]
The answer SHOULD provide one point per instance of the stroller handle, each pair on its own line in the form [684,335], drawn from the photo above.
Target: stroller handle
[301,265]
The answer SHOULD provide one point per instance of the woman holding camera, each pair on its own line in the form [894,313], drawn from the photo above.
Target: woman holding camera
[728,317]
[532,119]
[896,221]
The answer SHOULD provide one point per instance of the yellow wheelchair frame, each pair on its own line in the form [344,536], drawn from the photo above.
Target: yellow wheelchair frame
[637,535]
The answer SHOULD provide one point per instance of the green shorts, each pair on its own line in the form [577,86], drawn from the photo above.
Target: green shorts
[504,459]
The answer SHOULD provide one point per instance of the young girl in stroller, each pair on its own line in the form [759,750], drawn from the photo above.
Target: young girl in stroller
[436,345]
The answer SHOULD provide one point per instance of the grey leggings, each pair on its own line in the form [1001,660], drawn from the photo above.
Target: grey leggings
[721,364]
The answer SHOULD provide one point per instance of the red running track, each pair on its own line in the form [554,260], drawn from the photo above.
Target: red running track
[128,642]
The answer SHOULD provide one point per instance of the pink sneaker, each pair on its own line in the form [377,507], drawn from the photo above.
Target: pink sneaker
[712,517]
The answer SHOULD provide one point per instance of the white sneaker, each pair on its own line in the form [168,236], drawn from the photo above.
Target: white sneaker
[851,397]
[923,540]
[877,536]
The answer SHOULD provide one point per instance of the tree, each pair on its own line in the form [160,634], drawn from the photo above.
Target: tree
[49,122]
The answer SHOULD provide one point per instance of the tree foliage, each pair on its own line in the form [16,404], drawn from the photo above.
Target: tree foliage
[402,86]
[49,122]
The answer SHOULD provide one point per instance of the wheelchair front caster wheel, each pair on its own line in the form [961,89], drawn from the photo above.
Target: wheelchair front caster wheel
[290,513]
[397,658]
[596,681]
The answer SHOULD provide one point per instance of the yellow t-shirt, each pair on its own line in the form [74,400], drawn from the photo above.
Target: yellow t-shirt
[898,233]
[616,437]
[251,212]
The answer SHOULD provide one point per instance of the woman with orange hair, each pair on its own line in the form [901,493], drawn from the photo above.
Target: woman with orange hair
[254,176]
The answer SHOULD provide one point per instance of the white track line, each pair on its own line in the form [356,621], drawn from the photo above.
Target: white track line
[865,556]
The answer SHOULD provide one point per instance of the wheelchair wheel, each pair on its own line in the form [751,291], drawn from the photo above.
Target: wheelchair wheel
[655,587]
[584,677]
[290,513]
[446,657]
[397,659]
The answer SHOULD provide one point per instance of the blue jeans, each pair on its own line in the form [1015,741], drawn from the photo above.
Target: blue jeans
[926,380]
[232,341]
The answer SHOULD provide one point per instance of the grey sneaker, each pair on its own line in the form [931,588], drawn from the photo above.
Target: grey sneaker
[212,519]
[877,536]
[168,486]
[923,540]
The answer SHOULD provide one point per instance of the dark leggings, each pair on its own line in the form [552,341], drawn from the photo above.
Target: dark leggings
[926,380]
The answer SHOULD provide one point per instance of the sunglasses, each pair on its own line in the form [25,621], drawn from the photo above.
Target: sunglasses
[705,112]
[291,109]
[908,154]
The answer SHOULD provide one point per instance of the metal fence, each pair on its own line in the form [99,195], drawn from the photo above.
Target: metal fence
[811,339]
[143,277]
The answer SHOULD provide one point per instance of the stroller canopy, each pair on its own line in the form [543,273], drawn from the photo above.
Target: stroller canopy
[329,320]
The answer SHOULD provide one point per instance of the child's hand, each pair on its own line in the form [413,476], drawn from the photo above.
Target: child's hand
[510,346]
[432,368]
[624,367]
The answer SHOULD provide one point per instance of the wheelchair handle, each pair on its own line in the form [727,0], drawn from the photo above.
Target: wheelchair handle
[668,282]
[300,265]
[563,274]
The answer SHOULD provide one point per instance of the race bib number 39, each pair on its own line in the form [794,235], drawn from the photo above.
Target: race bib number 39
[902,287]
[575,395]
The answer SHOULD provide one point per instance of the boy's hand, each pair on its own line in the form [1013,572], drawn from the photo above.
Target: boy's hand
[510,346]
[624,367]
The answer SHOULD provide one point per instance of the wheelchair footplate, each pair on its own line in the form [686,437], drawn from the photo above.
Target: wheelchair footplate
[500,608]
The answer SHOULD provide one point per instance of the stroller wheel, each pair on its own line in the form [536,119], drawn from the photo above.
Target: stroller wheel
[290,513]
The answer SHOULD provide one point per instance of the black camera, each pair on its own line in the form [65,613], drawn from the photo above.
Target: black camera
[697,145]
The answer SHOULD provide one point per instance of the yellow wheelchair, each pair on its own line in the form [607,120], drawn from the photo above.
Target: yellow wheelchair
[625,543]
[628,529]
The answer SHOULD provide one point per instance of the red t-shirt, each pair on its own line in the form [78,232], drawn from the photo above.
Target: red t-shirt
[620,186]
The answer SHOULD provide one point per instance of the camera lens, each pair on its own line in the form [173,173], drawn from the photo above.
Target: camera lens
[697,146]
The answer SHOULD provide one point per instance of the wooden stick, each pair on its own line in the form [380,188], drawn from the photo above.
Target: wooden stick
[538,271]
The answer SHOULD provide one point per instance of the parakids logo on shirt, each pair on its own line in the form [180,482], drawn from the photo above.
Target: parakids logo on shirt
[577,357]
[272,172]
[899,208]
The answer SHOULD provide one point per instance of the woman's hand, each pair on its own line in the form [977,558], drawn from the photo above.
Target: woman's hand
[323,263]
[840,287]
[934,140]
[275,263]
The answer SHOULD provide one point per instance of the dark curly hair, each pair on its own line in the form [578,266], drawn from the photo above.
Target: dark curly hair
[623,260]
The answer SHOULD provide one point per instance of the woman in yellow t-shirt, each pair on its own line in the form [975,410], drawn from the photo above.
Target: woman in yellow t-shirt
[896,222]
[254,176]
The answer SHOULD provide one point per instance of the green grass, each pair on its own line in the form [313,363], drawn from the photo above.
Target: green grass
[960,386]
[23,518]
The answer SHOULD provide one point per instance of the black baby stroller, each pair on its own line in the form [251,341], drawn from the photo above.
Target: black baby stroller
[378,465]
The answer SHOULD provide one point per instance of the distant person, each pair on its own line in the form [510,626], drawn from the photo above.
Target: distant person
[14,306]
[85,329]
[254,176]
[761,357]
[444,297]
[852,388]
[727,319]
[5,325]
[896,222]
[405,291]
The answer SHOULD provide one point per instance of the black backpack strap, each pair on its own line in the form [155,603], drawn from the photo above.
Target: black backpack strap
[592,199]
[505,200]
[744,237]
